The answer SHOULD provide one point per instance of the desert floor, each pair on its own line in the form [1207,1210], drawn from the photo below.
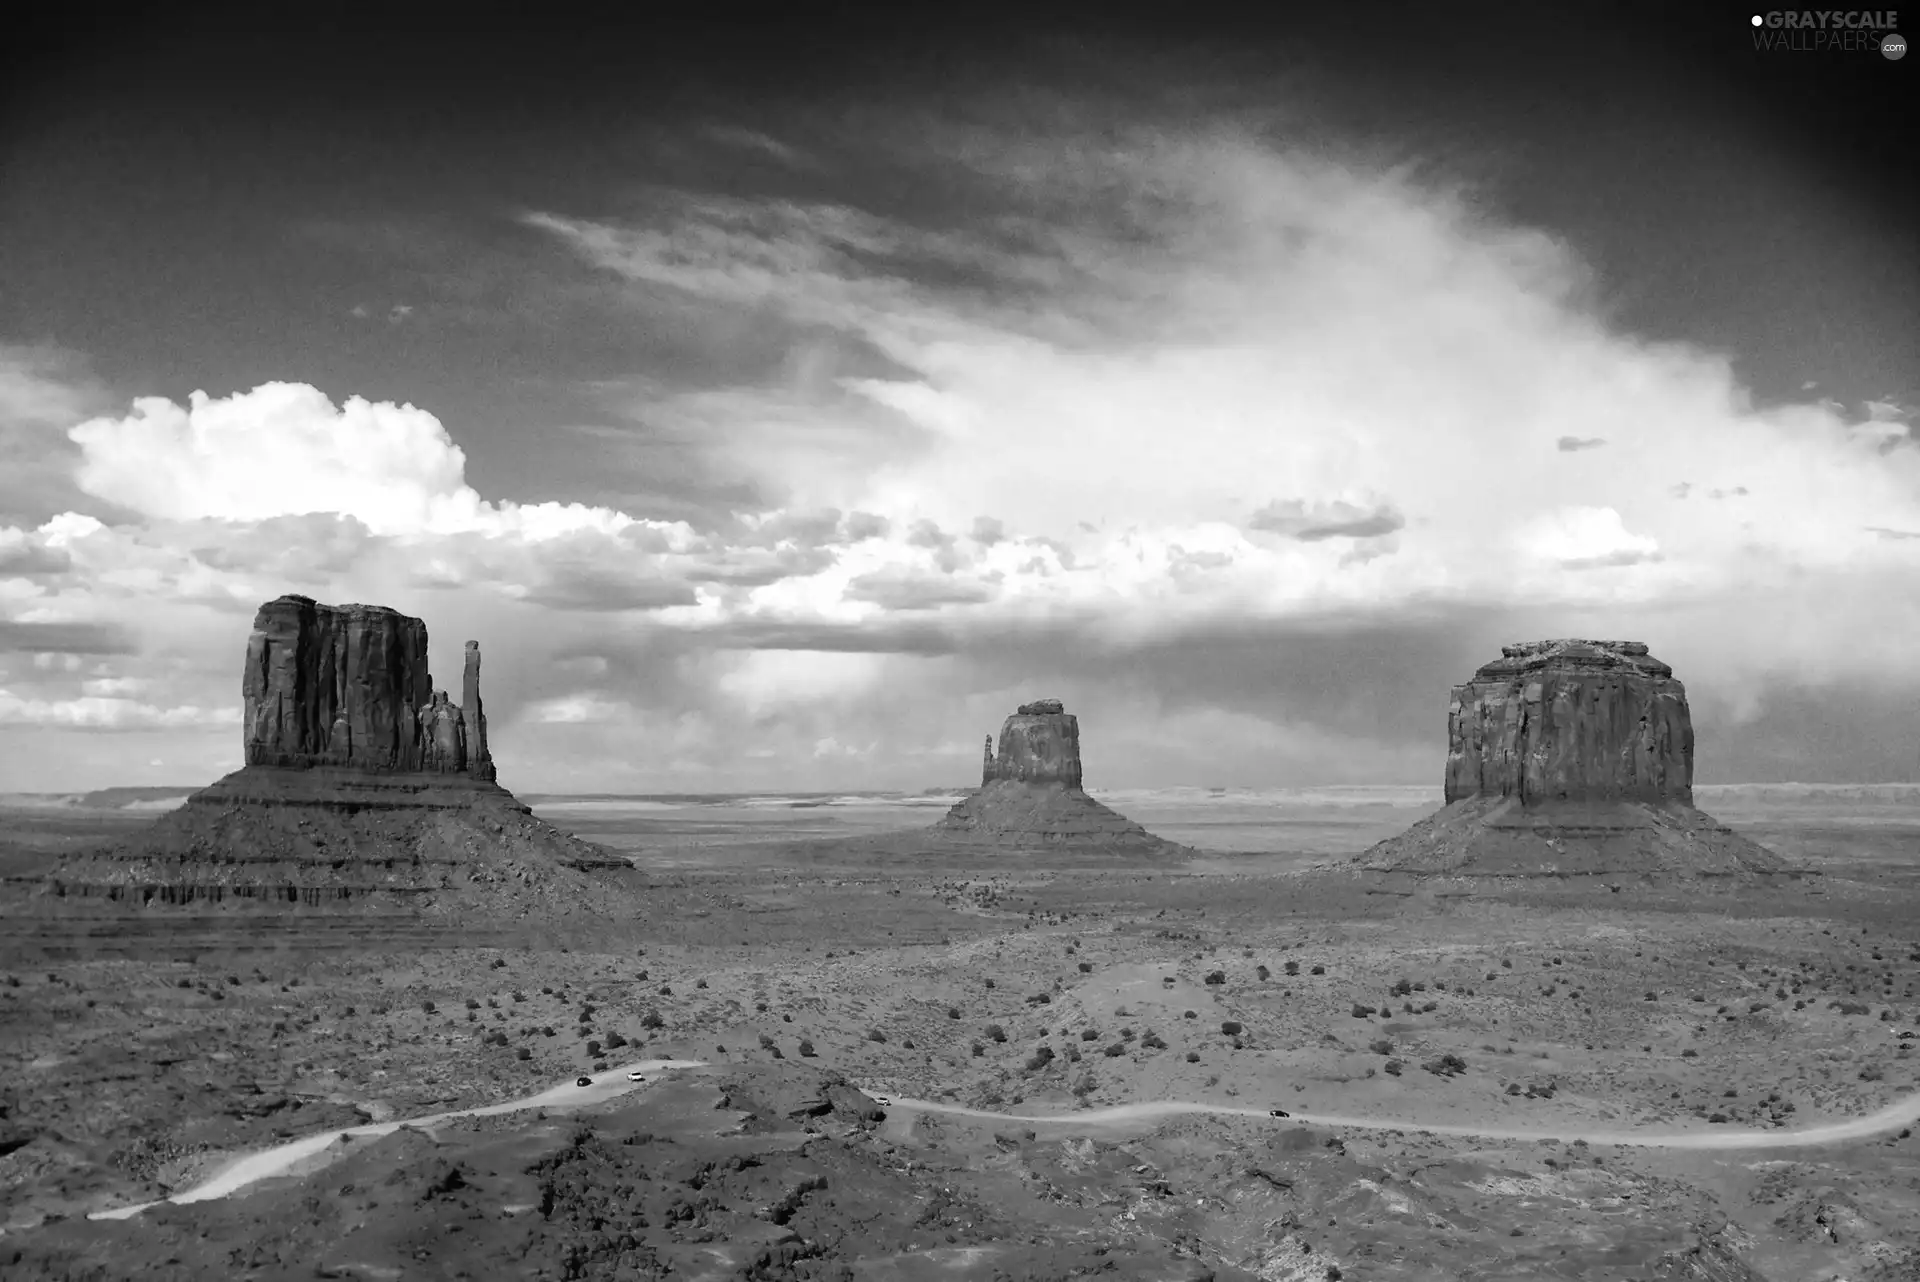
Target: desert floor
[793,955]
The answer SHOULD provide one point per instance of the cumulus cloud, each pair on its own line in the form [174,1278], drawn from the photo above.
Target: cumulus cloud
[1574,444]
[92,712]
[1338,519]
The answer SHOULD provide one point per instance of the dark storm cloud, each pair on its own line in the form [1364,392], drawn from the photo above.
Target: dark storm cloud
[757,567]
[33,561]
[987,531]
[1573,444]
[65,638]
[903,589]
[1311,523]
[602,588]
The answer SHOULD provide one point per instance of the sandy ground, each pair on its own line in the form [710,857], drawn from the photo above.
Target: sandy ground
[143,1055]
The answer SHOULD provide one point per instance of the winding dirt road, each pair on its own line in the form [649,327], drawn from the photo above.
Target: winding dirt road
[285,1158]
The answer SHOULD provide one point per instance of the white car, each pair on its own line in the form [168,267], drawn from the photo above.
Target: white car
[884,1101]
[636,1077]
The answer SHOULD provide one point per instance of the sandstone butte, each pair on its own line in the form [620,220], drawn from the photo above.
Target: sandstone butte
[1030,794]
[1570,757]
[362,782]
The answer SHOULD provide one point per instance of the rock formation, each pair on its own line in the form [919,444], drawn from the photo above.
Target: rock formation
[1031,796]
[1570,757]
[361,781]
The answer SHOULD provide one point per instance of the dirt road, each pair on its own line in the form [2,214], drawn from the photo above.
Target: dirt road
[289,1158]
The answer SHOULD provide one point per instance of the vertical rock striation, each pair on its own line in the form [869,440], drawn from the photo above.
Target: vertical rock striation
[1570,757]
[1571,721]
[348,686]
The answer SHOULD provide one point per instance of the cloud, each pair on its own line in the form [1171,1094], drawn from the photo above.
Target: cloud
[1270,437]
[1338,519]
[27,636]
[96,713]
[909,589]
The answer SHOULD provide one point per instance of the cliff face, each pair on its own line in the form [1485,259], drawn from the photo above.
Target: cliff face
[1031,796]
[1039,744]
[348,686]
[1570,758]
[363,785]
[1571,721]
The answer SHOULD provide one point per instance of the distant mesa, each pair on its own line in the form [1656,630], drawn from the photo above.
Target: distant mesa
[1571,757]
[362,783]
[1030,794]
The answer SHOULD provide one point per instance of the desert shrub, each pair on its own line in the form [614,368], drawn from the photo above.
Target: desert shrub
[1073,1056]
[1849,1008]
[1126,1034]
[642,977]
[1446,1065]
[953,1012]
[989,983]
[1717,1117]
[615,1041]
[593,1049]
[382,1008]
[806,1049]
[519,996]
[1428,1008]
[996,1033]
[666,990]
[978,1050]
[1216,977]
[1188,1014]
[1086,968]
[600,1066]
[875,1035]
[1193,1057]
[1689,1053]
[1085,1086]
[766,1042]
[1040,1059]
[1381,1046]
[492,1004]
[1871,1074]
[472,1004]
[1231,1027]
[1040,999]
[523,1054]
[1402,988]
[427,1006]
[1292,968]
[1361,1012]
[1319,970]
[1152,1041]
[1116,1050]
[1513,1088]
[499,963]
[471,1017]
[651,1020]
[1089,1034]
[546,990]
[699,983]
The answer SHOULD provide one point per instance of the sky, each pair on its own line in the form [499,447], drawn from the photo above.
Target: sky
[780,406]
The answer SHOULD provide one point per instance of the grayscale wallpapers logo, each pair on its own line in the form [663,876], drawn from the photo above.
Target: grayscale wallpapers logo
[1822,30]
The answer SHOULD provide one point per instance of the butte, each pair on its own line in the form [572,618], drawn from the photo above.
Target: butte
[1031,798]
[362,783]
[1570,758]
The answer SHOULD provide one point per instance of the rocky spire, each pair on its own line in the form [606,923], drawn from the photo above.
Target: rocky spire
[479,759]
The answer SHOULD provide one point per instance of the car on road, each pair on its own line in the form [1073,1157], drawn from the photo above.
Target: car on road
[636,1077]
[1278,1112]
[884,1101]
[583,1081]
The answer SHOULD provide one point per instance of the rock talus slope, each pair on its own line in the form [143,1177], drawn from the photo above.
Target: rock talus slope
[1031,796]
[1571,757]
[362,783]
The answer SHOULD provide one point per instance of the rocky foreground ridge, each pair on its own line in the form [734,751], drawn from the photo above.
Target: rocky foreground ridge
[1571,758]
[1031,797]
[363,783]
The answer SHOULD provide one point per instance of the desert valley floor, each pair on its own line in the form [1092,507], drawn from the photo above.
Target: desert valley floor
[911,1068]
